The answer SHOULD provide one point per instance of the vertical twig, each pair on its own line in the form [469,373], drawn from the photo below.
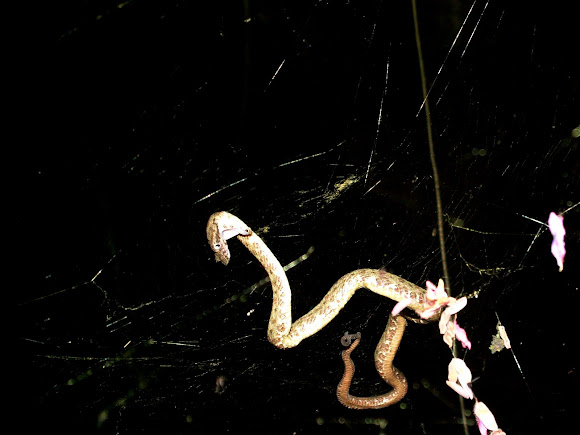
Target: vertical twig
[432,153]
[435,182]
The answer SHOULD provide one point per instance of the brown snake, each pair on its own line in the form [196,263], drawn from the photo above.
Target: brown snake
[284,334]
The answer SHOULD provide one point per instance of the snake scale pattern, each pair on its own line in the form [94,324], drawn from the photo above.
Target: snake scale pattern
[283,334]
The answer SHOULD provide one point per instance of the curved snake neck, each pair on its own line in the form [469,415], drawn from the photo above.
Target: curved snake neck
[283,333]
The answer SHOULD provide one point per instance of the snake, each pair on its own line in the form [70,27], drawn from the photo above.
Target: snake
[284,334]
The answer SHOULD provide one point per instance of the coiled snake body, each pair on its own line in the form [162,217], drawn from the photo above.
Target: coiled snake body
[284,334]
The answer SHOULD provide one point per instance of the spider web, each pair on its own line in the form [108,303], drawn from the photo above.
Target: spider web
[306,120]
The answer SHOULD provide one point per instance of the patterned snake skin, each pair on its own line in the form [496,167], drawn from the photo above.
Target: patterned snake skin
[284,334]
[384,355]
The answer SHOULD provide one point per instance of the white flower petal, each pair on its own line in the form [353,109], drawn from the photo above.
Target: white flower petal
[483,413]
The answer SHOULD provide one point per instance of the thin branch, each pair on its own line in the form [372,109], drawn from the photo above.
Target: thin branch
[436,182]
[432,153]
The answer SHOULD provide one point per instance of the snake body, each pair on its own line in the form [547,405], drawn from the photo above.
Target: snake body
[384,355]
[283,334]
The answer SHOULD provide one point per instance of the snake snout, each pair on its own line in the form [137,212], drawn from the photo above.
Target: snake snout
[222,253]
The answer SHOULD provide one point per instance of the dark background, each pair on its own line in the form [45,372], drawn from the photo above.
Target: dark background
[303,118]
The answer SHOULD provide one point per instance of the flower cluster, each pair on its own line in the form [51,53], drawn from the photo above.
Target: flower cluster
[448,326]
[459,375]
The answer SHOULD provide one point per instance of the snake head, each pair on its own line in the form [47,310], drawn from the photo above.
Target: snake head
[221,227]
[221,250]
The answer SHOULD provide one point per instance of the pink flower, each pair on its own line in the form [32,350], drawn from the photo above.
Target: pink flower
[461,335]
[485,419]
[435,293]
[456,305]
[459,378]
[556,225]
[436,298]
[447,327]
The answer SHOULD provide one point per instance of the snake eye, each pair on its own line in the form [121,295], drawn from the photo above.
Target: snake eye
[217,246]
